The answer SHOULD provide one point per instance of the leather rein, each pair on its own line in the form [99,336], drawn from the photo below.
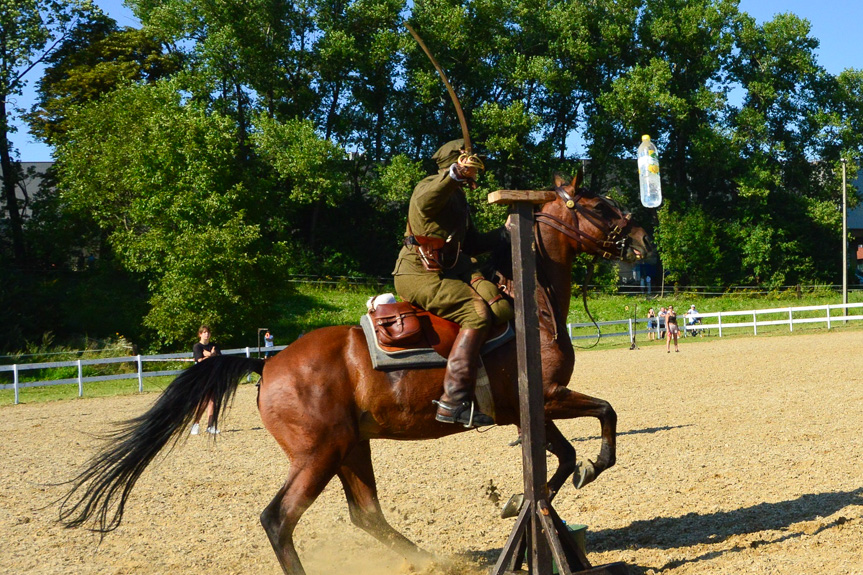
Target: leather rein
[615,237]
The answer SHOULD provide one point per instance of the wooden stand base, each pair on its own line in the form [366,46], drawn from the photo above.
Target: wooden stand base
[566,553]
[610,569]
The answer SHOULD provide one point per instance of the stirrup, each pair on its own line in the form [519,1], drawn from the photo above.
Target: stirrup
[473,418]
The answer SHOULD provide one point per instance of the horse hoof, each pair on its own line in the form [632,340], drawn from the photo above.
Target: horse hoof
[585,472]
[513,506]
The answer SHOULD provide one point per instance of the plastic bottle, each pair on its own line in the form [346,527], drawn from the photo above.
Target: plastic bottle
[648,174]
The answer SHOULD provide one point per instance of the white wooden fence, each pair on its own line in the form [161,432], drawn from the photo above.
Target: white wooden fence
[715,322]
[718,321]
[138,360]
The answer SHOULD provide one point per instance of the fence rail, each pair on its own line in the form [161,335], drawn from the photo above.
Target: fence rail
[790,316]
[138,373]
[711,321]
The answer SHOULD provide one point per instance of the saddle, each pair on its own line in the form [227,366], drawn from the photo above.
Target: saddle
[401,335]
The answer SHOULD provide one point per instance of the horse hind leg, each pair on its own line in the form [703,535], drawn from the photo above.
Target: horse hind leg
[565,454]
[306,480]
[358,479]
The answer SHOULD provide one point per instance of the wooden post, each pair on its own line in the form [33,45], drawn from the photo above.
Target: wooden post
[538,529]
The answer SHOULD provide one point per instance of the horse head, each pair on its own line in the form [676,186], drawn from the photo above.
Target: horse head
[594,224]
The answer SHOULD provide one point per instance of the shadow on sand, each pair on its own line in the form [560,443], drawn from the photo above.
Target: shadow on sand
[695,529]
[634,432]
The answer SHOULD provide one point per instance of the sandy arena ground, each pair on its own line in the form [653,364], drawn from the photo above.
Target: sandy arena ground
[738,455]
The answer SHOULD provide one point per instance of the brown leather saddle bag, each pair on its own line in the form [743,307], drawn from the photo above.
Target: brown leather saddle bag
[396,324]
[429,347]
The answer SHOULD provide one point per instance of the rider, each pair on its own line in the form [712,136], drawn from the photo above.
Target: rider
[434,271]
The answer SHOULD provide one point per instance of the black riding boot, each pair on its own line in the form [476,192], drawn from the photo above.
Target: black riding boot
[456,405]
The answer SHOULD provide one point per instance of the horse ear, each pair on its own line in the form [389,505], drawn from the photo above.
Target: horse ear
[578,179]
[558,180]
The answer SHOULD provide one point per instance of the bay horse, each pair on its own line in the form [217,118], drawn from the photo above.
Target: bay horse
[323,402]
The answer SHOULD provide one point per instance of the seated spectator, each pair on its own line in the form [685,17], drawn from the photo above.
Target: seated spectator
[692,318]
[692,315]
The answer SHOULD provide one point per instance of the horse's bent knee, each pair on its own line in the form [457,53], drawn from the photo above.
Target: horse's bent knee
[273,520]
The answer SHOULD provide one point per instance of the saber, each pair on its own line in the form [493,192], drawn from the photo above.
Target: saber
[459,112]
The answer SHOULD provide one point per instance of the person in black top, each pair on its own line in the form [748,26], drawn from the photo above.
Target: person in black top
[201,351]
[673,330]
[204,348]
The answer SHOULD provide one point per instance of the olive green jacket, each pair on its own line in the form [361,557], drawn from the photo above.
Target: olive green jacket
[438,208]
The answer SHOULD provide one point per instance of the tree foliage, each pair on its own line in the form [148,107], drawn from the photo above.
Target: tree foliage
[30,30]
[158,176]
[289,135]
[96,57]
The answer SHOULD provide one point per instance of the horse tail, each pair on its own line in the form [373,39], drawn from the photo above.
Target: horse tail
[101,491]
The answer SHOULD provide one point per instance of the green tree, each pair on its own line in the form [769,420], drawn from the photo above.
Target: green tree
[785,174]
[158,175]
[690,246]
[590,47]
[97,56]
[30,30]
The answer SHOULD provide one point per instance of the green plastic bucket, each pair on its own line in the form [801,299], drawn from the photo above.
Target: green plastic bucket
[577,531]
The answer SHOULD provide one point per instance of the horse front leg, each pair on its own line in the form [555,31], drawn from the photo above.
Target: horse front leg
[563,403]
[563,450]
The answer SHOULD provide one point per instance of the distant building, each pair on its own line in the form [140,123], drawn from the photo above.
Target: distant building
[855,229]
[28,189]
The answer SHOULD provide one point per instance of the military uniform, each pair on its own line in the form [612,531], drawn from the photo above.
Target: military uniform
[435,270]
[439,209]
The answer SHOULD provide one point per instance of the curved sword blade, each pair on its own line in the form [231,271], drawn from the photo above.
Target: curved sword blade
[459,112]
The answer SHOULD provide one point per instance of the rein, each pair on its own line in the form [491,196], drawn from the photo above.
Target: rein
[614,237]
[589,276]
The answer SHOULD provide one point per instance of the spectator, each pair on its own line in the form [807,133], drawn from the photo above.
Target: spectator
[673,330]
[691,319]
[268,345]
[662,313]
[202,350]
[651,325]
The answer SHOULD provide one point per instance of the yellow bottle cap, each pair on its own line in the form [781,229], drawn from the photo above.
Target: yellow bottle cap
[645,138]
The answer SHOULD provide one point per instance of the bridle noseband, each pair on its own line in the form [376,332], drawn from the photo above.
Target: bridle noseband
[615,241]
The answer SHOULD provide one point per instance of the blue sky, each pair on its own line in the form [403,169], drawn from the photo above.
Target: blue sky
[836,23]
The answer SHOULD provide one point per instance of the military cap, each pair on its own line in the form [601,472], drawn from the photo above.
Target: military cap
[448,154]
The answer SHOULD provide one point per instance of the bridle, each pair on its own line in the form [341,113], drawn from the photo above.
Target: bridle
[614,240]
[613,243]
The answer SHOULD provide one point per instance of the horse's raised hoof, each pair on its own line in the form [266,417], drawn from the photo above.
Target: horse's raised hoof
[513,506]
[585,472]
